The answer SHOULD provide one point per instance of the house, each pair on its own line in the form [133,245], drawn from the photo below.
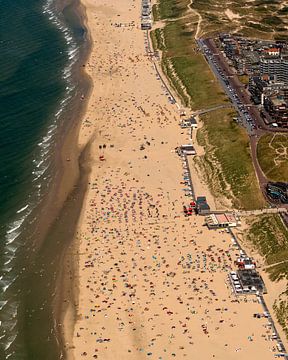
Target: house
[192,121]
[214,221]
[272,51]
[189,123]
[202,206]
[188,149]
[245,263]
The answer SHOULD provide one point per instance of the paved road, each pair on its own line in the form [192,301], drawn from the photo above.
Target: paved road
[237,91]
[239,88]
[240,99]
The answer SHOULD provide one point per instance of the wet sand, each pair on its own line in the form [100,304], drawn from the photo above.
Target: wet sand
[150,282]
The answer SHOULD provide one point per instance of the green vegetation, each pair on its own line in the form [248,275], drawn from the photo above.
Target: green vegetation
[244,79]
[279,271]
[272,153]
[272,20]
[191,77]
[270,237]
[280,308]
[281,37]
[203,89]
[174,81]
[189,66]
[264,16]
[157,40]
[228,160]
[283,11]
[153,39]
[172,8]
[155,12]
[259,27]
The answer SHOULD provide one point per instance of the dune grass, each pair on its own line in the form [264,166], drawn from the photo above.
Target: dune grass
[191,76]
[272,153]
[190,66]
[168,9]
[257,18]
[227,146]
[280,308]
[270,236]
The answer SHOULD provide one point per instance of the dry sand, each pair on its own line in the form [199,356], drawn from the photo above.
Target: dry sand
[152,284]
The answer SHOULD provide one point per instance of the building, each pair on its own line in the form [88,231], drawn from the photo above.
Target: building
[146,20]
[146,24]
[245,263]
[277,107]
[274,51]
[251,281]
[202,206]
[192,122]
[187,149]
[215,221]
[189,123]
[261,86]
[277,191]
[277,67]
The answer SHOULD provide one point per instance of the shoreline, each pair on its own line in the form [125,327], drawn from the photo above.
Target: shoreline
[49,236]
[114,171]
[67,286]
[79,167]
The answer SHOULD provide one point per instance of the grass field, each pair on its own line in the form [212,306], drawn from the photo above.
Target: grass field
[272,153]
[227,149]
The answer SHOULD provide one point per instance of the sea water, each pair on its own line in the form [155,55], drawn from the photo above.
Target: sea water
[39,47]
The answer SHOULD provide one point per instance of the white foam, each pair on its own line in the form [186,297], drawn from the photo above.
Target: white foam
[6,284]
[13,229]
[11,238]
[39,173]
[2,304]
[40,163]
[9,355]
[22,209]
[15,225]
[10,342]
[59,112]
[11,249]
[51,129]
[9,260]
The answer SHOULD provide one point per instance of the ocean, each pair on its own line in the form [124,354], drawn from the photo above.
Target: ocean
[41,44]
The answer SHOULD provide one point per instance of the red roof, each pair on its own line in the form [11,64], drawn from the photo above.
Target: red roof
[272,50]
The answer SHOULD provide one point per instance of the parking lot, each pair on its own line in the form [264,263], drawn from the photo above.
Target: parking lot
[235,91]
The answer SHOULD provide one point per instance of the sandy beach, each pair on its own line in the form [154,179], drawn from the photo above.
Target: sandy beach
[150,282]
